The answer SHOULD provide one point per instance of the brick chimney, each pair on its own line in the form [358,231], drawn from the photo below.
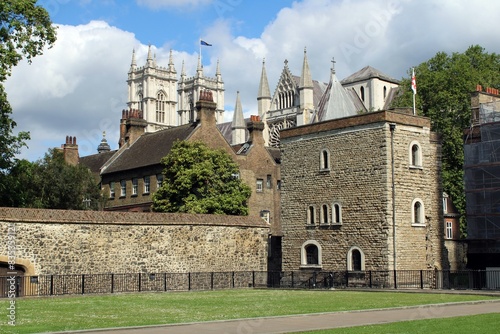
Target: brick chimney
[70,151]
[206,109]
[132,126]
[255,128]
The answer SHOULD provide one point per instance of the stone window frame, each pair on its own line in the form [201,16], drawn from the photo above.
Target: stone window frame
[350,262]
[161,102]
[147,184]
[112,190]
[415,155]
[304,258]
[311,215]
[336,213]
[420,221]
[266,216]
[123,188]
[324,214]
[324,160]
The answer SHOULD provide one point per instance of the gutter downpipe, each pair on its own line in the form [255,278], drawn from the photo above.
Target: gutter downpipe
[392,127]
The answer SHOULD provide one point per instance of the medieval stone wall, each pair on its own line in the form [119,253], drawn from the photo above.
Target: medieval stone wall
[359,180]
[78,242]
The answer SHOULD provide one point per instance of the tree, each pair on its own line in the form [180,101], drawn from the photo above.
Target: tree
[444,84]
[198,179]
[51,183]
[25,29]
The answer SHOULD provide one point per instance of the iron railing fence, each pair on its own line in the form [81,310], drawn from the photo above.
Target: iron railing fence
[53,285]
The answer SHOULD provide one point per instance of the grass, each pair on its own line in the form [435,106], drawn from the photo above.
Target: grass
[35,315]
[483,323]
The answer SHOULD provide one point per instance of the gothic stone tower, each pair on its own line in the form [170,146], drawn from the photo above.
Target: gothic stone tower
[152,89]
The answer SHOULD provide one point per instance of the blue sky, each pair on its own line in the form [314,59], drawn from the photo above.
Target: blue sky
[78,88]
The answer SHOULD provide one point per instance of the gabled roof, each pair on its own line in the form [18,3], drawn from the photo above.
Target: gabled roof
[148,149]
[367,73]
[94,162]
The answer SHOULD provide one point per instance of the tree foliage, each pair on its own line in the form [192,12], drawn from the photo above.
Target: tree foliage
[198,179]
[444,85]
[51,183]
[25,29]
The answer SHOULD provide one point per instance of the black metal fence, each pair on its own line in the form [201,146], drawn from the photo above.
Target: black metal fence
[53,285]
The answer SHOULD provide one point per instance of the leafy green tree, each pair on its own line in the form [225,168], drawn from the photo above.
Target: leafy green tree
[444,85]
[25,29]
[198,179]
[51,183]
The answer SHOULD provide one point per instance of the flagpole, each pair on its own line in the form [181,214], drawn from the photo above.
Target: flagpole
[414,111]
[413,88]
[199,44]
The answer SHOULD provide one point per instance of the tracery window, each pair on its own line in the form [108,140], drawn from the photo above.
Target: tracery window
[160,107]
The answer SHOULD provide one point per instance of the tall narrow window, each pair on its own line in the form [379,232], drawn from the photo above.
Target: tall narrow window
[268,181]
[147,184]
[111,190]
[160,107]
[324,160]
[449,230]
[415,155]
[311,215]
[135,186]
[336,213]
[123,188]
[324,214]
[362,92]
[355,259]
[418,216]
[385,92]
[159,181]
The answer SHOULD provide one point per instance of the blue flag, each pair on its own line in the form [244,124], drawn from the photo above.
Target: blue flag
[202,42]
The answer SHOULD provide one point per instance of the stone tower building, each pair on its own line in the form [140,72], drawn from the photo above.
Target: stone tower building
[362,193]
[163,100]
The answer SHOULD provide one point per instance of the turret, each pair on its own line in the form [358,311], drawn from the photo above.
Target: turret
[306,93]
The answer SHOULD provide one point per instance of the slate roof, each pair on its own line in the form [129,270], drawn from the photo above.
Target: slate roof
[95,161]
[336,102]
[225,129]
[366,73]
[148,149]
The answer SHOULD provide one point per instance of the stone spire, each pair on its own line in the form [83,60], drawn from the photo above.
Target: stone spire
[306,94]
[183,72]
[305,78]
[264,100]
[171,62]
[264,91]
[217,72]
[238,125]
[133,63]
[149,61]
[199,69]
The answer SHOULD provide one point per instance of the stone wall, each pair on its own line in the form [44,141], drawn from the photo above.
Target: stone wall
[359,179]
[78,242]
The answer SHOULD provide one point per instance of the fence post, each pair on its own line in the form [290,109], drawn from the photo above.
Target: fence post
[253,279]
[346,278]
[232,279]
[421,279]
[370,275]
[212,280]
[395,280]
[164,281]
[139,283]
[293,283]
[112,283]
[83,284]
[51,285]
[189,281]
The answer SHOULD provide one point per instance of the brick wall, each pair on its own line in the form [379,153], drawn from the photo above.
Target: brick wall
[77,242]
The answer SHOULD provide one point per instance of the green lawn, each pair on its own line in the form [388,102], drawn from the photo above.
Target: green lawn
[483,323]
[101,311]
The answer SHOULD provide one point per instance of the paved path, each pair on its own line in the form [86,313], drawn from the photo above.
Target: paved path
[299,323]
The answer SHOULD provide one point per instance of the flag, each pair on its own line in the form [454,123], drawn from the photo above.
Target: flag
[202,42]
[413,82]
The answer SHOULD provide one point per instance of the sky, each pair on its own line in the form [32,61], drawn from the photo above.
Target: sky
[78,87]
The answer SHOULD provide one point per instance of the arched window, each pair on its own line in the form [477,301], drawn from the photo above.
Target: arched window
[311,215]
[355,259]
[160,107]
[141,103]
[324,214]
[336,213]
[385,92]
[310,254]
[362,92]
[418,212]
[415,155]
[324,160]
